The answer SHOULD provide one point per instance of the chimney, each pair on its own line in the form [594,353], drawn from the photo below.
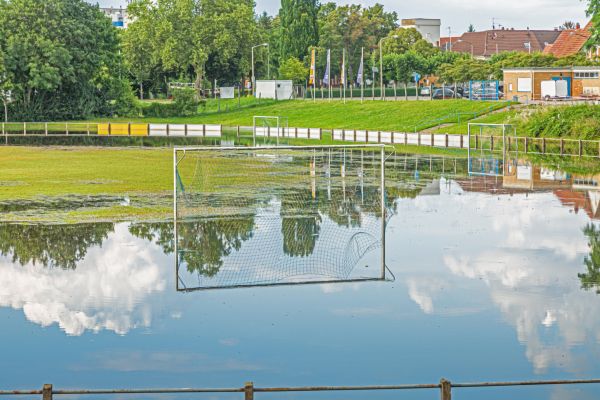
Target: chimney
[578,26]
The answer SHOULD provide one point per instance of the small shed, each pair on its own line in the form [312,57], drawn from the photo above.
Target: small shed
[275,89]
[526,83]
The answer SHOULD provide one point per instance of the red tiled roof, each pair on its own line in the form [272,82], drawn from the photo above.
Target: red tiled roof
[488,43]
[569,42]
[445,41]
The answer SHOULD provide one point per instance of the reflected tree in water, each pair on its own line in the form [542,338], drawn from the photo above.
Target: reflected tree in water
[61,246]
[300,223]
[159,233]
[206,242]
[590,280]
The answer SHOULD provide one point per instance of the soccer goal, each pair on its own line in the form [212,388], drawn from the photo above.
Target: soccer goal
[488,146]
[268,127]
[268,216]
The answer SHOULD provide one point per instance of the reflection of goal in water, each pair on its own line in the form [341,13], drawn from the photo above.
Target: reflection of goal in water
[279,216]
[488,146]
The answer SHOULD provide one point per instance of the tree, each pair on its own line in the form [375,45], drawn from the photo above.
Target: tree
[471,28]
[138,43]
[568,25]
[197,39]
[405,41]
[53,246]
[5,86]
[464,70]
[591,279]
[62,57]
[593,11]
[351,28]
[293,69]
[519,59]
[299,27]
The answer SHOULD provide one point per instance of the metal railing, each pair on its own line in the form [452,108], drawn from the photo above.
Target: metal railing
[249,390]
[536,145]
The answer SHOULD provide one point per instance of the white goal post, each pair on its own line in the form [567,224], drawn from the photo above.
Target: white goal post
[269,126]
[278,215]
[482,144]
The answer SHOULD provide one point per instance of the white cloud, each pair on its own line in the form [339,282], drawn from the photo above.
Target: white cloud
[109,290]
[458,14]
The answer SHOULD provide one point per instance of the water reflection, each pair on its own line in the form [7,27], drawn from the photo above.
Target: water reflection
[278,217]
[474,255]
[60,246]
[590,279]
[104,279]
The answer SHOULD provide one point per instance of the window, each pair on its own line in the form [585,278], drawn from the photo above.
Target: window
[587,75]
[510,87]
[524,85]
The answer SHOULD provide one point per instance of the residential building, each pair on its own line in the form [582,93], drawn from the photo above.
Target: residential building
[485,44]
[571,42]
[446,42]
[429,28]
[526,83]
[118,16]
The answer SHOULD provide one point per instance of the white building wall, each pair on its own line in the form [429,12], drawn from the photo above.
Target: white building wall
[429,28]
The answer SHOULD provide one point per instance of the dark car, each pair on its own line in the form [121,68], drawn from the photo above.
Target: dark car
[446,93]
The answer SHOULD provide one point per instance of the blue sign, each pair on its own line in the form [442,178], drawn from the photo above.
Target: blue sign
[416,77]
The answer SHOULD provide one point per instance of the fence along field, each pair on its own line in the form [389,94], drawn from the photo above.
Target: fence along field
[477,141]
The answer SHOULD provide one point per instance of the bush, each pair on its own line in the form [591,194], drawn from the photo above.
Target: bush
[127,105]
[185,103]
[581,122]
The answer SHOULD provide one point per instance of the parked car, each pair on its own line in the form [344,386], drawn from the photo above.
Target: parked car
[446,93]
[425,91]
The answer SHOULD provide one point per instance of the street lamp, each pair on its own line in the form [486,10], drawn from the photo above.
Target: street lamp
[381,62]
[465,41]
[253,76]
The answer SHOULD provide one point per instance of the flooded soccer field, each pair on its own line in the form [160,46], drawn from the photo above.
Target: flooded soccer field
[342,266]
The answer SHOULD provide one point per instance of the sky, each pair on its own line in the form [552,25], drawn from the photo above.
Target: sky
[458,14]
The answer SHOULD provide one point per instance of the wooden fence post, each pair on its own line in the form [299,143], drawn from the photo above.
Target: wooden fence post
[445,389]
[580,147]
[562,146]
[543,145]
[47,392]
[525,144]
[248,391]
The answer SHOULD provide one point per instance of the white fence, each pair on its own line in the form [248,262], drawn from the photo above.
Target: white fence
[185,130]
[296,133]
[417,139]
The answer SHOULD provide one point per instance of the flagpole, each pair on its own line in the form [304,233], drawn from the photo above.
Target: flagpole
[344,74]
[362,74]
[315,72]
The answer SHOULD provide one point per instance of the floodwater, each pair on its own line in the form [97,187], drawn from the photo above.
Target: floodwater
[487,278]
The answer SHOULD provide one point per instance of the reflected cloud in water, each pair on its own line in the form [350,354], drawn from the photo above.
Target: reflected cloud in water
[108,289]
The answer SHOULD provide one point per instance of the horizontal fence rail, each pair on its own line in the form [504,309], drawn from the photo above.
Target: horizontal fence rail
[444,386]
[492,143]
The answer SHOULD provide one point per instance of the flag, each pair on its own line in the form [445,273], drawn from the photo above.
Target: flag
[311,79]
[327,69]
[359,78]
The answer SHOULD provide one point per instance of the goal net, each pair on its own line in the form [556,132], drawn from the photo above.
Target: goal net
[488,147]
[271,129]
[278,216]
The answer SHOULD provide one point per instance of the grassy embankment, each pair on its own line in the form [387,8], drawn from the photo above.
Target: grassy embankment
[399,116]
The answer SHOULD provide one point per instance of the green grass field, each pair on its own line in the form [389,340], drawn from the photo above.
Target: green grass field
[374,115]
[500,117]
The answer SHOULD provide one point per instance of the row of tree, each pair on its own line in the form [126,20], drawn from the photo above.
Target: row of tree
[62,59]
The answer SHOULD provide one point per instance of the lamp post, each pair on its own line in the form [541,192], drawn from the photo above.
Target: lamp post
[381,62]
[253,76]
[465,41]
